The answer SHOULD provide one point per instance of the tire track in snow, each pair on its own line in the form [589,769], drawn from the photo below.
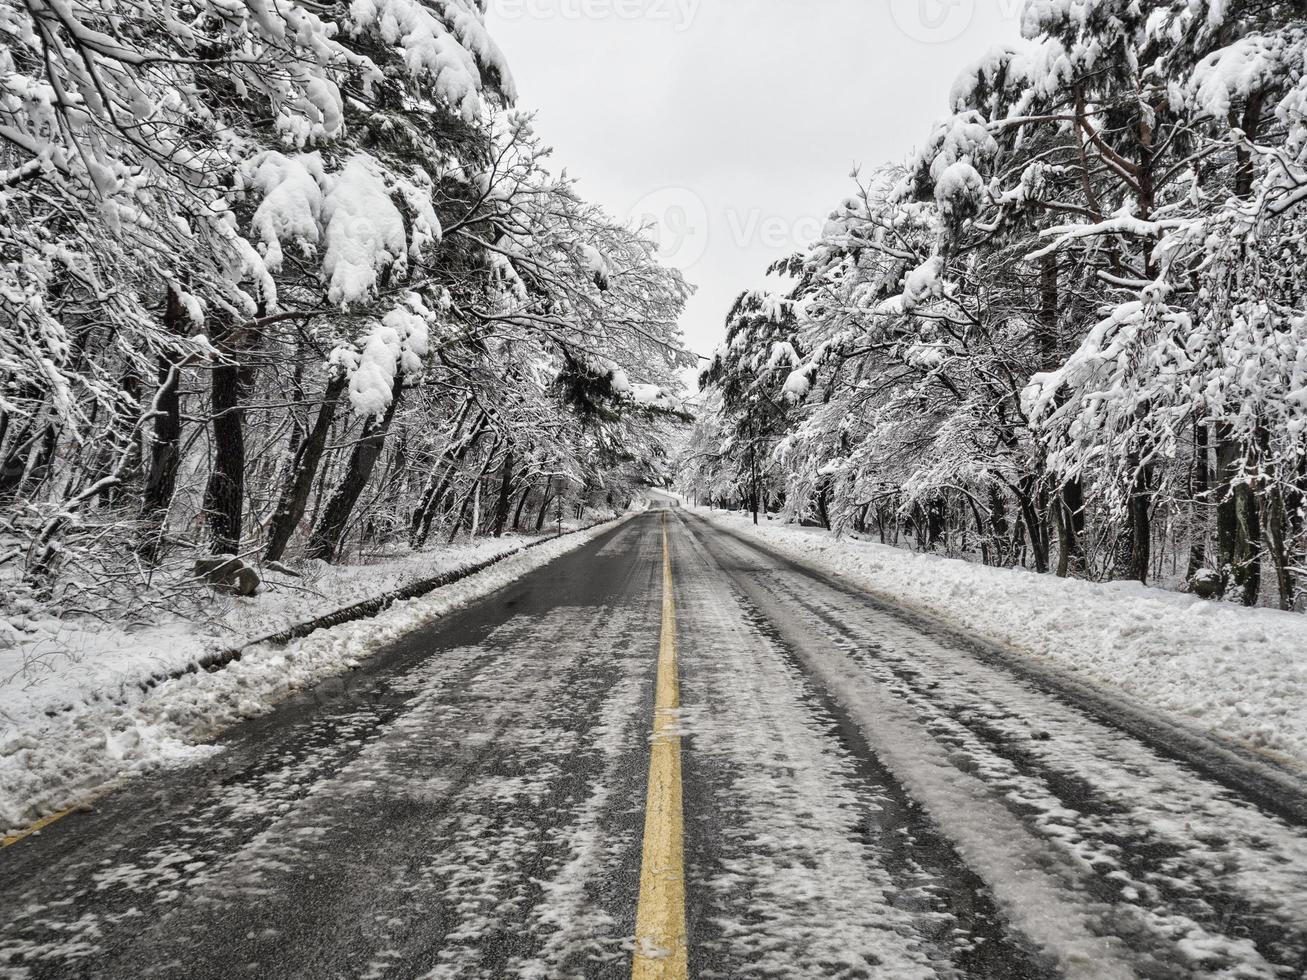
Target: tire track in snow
[1028,878]
[1180,885]
[804,861]
[1197,880]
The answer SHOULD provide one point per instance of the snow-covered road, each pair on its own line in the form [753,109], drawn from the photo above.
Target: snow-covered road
[864,796]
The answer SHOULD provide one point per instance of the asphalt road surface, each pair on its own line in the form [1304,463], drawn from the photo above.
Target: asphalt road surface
[838,790]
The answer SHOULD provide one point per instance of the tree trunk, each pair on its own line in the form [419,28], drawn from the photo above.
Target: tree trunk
[14,465]
[936,515]
[1134,547]
[118,450]
[473,493]
[999,531]
[1227,522]
[224,497]
[544,506]
[441,481]
[430,490]
[754,490]
[1070,509]
[1140,527]
[521,504]
[1245,168]
[505,494]
[1238,532]
[1199,485]
[1048,332]
[324,544]
[42,462]
[823,509]
[294,499]
[1276,524]
[1035,528]
[1248,570]
[476,509]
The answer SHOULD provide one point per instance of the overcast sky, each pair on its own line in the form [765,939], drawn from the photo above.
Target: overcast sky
[735,123]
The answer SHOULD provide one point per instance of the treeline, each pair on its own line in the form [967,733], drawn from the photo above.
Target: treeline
[1070,332]
[283,280]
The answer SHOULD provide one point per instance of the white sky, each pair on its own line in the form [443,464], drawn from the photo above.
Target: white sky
[735,123]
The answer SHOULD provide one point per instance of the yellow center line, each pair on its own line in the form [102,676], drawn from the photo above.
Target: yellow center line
[44,822]
[660,945]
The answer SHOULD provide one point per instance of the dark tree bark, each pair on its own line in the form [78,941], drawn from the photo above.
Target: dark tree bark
[1034,525]
[1227,521]
[1000,531]
[472,491]
[1245,169]
[521,505]
[14,464]
[1248,574]
[294,499]
[754,489]
[1134,546]
[42,460]
[544,506]
[505,494]
[1275,522]
[1048,303]
[1199,485]
[1071,528]
[1238,530]
[224,496]
[442,479]
[13,469]
[4,430]
[427,498]
[324,544]
[860,522]
[165,441]
[1068,501]
[1141,529]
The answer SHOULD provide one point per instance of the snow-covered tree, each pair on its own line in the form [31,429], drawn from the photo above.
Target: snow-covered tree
[276,276]
[1068,331]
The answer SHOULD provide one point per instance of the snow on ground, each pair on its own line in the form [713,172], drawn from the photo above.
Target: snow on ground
[74,715]
[1239,672]
[53,662]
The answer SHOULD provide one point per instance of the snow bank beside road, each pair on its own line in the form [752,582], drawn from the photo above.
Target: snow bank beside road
[53,663]
[1239,672]
[106,726]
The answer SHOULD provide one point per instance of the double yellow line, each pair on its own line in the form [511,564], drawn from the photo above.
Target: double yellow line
[660,943]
